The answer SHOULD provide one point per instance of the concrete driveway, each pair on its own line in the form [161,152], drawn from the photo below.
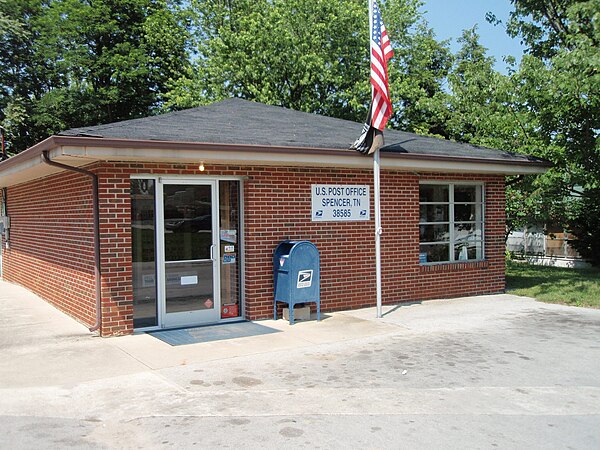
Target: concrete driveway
[483,372]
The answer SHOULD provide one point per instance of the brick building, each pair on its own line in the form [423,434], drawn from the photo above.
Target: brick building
[172,220]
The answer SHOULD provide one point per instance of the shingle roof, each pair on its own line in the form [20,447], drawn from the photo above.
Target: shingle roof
[236,121]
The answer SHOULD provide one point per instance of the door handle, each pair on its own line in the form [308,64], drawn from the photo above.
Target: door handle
[212,252]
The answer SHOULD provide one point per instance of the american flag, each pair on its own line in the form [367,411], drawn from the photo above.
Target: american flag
[381,52]
[380,109]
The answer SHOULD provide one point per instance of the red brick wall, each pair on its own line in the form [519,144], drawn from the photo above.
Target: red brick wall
[51,242]
[115,251]
[277,203]
[347,248]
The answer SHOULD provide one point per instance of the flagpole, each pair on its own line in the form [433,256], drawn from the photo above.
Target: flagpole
[376,187]
[378,229]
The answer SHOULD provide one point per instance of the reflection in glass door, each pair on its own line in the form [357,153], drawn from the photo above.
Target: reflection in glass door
[188,237]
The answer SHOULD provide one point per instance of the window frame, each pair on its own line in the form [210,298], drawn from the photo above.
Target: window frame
[452,223]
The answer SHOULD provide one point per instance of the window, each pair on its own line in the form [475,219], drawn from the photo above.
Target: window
[450,222]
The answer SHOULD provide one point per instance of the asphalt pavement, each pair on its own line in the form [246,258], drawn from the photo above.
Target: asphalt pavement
[482,372]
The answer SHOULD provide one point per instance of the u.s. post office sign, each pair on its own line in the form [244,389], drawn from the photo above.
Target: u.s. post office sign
[340,202]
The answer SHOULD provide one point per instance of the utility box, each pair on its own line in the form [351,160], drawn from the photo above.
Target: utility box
[4,224]
[297,275]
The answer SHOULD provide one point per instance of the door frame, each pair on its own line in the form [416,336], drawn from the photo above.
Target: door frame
[159,218]
[186,318]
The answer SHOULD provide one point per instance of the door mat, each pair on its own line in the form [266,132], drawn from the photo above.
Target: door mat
[209,333]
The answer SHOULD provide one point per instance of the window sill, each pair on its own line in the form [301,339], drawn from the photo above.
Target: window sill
[452,266]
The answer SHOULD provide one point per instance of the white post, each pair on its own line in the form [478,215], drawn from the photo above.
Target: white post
[378,229]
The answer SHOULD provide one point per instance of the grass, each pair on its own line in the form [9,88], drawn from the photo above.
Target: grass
[575,287]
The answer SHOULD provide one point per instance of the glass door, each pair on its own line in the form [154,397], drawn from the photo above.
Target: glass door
[188,241]
[143,252]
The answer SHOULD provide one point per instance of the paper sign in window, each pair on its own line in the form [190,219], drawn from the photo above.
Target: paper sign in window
[189,280]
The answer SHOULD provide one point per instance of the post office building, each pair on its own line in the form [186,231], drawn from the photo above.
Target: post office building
[173,220]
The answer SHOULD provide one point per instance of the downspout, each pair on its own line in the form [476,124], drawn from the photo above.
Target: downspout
[4,207]
[4,213]
[96,207]
[4,156]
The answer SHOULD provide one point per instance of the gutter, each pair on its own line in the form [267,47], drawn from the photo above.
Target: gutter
[96,207]
[247,149]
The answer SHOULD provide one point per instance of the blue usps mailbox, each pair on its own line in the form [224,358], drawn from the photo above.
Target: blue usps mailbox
[296,269]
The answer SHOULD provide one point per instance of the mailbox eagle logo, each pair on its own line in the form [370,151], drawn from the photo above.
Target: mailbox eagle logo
[304,278]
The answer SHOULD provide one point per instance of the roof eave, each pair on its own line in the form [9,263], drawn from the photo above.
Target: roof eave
[79,151]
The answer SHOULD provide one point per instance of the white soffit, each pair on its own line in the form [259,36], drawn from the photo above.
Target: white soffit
[256,157]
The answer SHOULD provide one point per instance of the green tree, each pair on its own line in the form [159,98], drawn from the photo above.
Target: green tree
[70,63]
[476,87]
[418,81]
[548,107]
[310,55]
[560,80]
[482,110]
[23,76]
[302,54]
[493,110]
[82,62]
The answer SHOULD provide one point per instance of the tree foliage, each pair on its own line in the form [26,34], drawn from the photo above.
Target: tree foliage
[69,63]
[560,85]
[309,55]
[419,75]
[549,106]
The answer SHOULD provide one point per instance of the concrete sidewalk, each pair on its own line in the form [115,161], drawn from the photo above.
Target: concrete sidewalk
[482,372]
[38,335]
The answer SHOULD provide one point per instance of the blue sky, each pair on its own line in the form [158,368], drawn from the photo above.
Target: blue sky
[449,17]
